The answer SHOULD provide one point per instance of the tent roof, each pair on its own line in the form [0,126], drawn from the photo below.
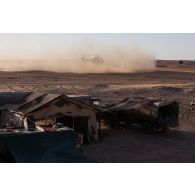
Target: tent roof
[133,103]
[27,102]
[47,147]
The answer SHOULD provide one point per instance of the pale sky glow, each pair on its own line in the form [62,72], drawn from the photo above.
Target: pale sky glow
[35,46]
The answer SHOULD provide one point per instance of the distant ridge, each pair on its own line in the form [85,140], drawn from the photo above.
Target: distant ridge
[175,62]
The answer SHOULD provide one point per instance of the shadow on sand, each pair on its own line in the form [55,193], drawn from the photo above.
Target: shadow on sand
[175,146]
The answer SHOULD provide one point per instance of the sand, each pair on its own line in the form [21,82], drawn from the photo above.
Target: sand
[174,83]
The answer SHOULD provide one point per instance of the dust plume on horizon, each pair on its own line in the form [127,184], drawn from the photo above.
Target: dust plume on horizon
[87,58]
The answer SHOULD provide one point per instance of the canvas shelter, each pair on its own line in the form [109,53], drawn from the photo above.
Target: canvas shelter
[19,109]
[39,147]
[149,112]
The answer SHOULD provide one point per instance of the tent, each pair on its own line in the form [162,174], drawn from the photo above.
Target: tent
[41,147]
[17,106]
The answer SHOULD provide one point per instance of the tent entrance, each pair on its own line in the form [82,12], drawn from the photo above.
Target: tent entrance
[79,124]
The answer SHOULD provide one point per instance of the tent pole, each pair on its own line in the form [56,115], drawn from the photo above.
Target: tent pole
[99,128]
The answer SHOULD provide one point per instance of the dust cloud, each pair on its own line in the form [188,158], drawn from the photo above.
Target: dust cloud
[87,58]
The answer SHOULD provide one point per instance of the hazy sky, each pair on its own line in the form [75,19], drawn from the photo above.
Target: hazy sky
[30,46]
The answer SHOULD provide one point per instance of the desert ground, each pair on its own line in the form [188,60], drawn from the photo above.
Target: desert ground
[133,145]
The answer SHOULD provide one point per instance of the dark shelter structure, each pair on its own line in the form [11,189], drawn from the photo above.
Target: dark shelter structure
[39,147]
[152,114]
